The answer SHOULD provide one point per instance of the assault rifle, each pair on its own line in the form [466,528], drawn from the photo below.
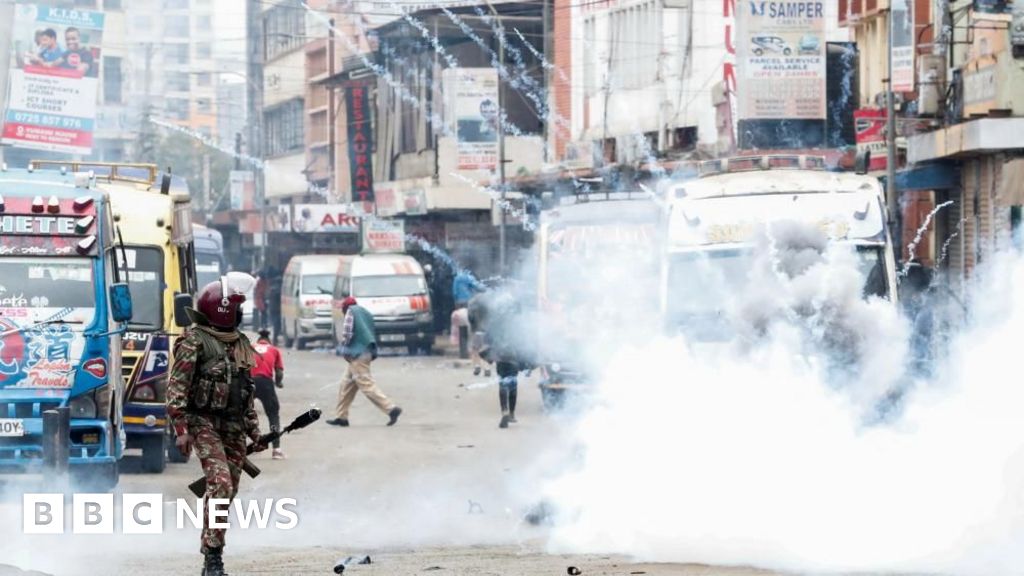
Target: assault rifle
[199,486]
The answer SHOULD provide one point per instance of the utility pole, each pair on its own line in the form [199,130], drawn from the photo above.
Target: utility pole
[238,150]
[332,119]
[205,201]
[254,65]
[502,242]
[6,29]
[890,137]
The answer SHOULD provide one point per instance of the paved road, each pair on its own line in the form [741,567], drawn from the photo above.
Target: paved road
[443,491]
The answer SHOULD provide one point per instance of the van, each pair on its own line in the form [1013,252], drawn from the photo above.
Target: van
[306,290]
[393,288]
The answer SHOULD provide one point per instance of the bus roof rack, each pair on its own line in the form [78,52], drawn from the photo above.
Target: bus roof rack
[766,162]
[110,171]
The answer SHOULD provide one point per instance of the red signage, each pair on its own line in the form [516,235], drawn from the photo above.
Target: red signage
[870,128]
[45,226]
[360,142]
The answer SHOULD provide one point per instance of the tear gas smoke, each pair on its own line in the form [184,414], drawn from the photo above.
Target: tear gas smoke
[765,449]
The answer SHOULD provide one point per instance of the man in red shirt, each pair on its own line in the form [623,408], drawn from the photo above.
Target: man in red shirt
[268,373]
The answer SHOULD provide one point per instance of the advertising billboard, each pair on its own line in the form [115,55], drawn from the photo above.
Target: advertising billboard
[780,51]
[53,79]
[473,106]
[324,218]
[243,190]
[902,42]
[383,236]
[870,126]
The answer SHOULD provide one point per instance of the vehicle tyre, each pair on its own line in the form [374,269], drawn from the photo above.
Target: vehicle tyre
[97,477]
[787,52]
[427,349]
[553,399]
[412,350]
[173,454]
[154,453]
[300,343]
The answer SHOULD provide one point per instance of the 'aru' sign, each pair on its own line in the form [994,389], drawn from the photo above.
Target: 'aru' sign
[360,142]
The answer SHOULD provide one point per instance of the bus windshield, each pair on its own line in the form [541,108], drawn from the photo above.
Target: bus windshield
[145,282]
[208,268]
[318,284]
[34,289]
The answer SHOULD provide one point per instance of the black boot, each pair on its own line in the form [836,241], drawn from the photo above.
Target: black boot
[214,565]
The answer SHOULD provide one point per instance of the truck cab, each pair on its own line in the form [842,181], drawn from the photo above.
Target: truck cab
[62,304]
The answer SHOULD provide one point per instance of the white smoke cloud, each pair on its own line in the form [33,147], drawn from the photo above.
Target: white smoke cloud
[762,451]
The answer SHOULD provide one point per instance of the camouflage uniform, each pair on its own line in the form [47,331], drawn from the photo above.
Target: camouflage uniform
[202,402]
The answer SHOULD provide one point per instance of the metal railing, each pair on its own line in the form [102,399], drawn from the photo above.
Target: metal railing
[756,163]
[137,173]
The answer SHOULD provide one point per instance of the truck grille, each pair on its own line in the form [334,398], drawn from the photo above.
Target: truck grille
[26,409]
[398,318]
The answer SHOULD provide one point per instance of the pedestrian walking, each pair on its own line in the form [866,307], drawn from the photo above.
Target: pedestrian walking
[274,280]
[359,348]
[268,374]
[259,305]
[210,399]
[495,315]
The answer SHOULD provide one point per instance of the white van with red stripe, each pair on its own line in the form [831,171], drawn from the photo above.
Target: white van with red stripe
[306,292]
[394,289]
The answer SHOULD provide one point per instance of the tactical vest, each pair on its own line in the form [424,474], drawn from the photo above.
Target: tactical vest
[219,386]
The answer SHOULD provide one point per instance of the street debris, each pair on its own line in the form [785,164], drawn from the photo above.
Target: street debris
[475,508]
[339,566]
[574,571]
[466,446]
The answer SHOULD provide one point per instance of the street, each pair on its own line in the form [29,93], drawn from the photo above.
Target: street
[443,491]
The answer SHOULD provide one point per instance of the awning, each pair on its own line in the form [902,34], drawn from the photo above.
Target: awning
[929,176]
[967,139]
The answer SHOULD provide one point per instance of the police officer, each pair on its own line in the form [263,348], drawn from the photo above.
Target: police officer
[210,398]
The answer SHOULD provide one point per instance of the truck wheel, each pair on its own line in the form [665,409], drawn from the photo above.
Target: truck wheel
[300,343]
[154,453]
[173,454]
[98,477]
[427,349]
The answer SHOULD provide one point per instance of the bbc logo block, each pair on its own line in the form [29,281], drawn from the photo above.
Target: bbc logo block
[92,514]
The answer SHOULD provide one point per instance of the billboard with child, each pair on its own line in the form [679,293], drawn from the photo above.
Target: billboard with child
[54,78]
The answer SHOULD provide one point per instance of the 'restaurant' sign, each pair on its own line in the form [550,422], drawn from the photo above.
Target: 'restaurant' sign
[360,142]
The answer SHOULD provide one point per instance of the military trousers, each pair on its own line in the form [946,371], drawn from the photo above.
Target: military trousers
[219,444]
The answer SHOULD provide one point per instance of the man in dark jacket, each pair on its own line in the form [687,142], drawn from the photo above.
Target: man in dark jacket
[359,348]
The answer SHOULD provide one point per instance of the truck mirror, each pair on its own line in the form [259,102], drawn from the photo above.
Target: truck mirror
[120,302]
[181,305]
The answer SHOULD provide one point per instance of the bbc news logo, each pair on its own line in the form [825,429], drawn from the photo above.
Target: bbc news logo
[145,513]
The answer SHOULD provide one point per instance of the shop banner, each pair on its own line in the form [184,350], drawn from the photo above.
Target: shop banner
[473,98]
[383,236]
[53,82]
[781,58]
[326,218]
[360,142]
[902,43]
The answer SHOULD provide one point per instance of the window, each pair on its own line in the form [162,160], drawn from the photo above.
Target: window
[177,81]
[284,30]
[204,106]
[85,3]
[176,26]
[204,50]
[636,44]
[112,80]
[177,54]
[203,79]
[177,108]
[176,4]
[145,282]
[204,22]
[284,128]
[142,23]
[112,4]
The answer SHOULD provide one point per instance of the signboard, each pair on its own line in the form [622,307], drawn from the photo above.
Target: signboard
[324,218]
[473,105]
[870,126]
[781,57]
[360,142]
[386,194]
[53,82]
[383,236]
[243,190]
[902,43]
[25,233]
